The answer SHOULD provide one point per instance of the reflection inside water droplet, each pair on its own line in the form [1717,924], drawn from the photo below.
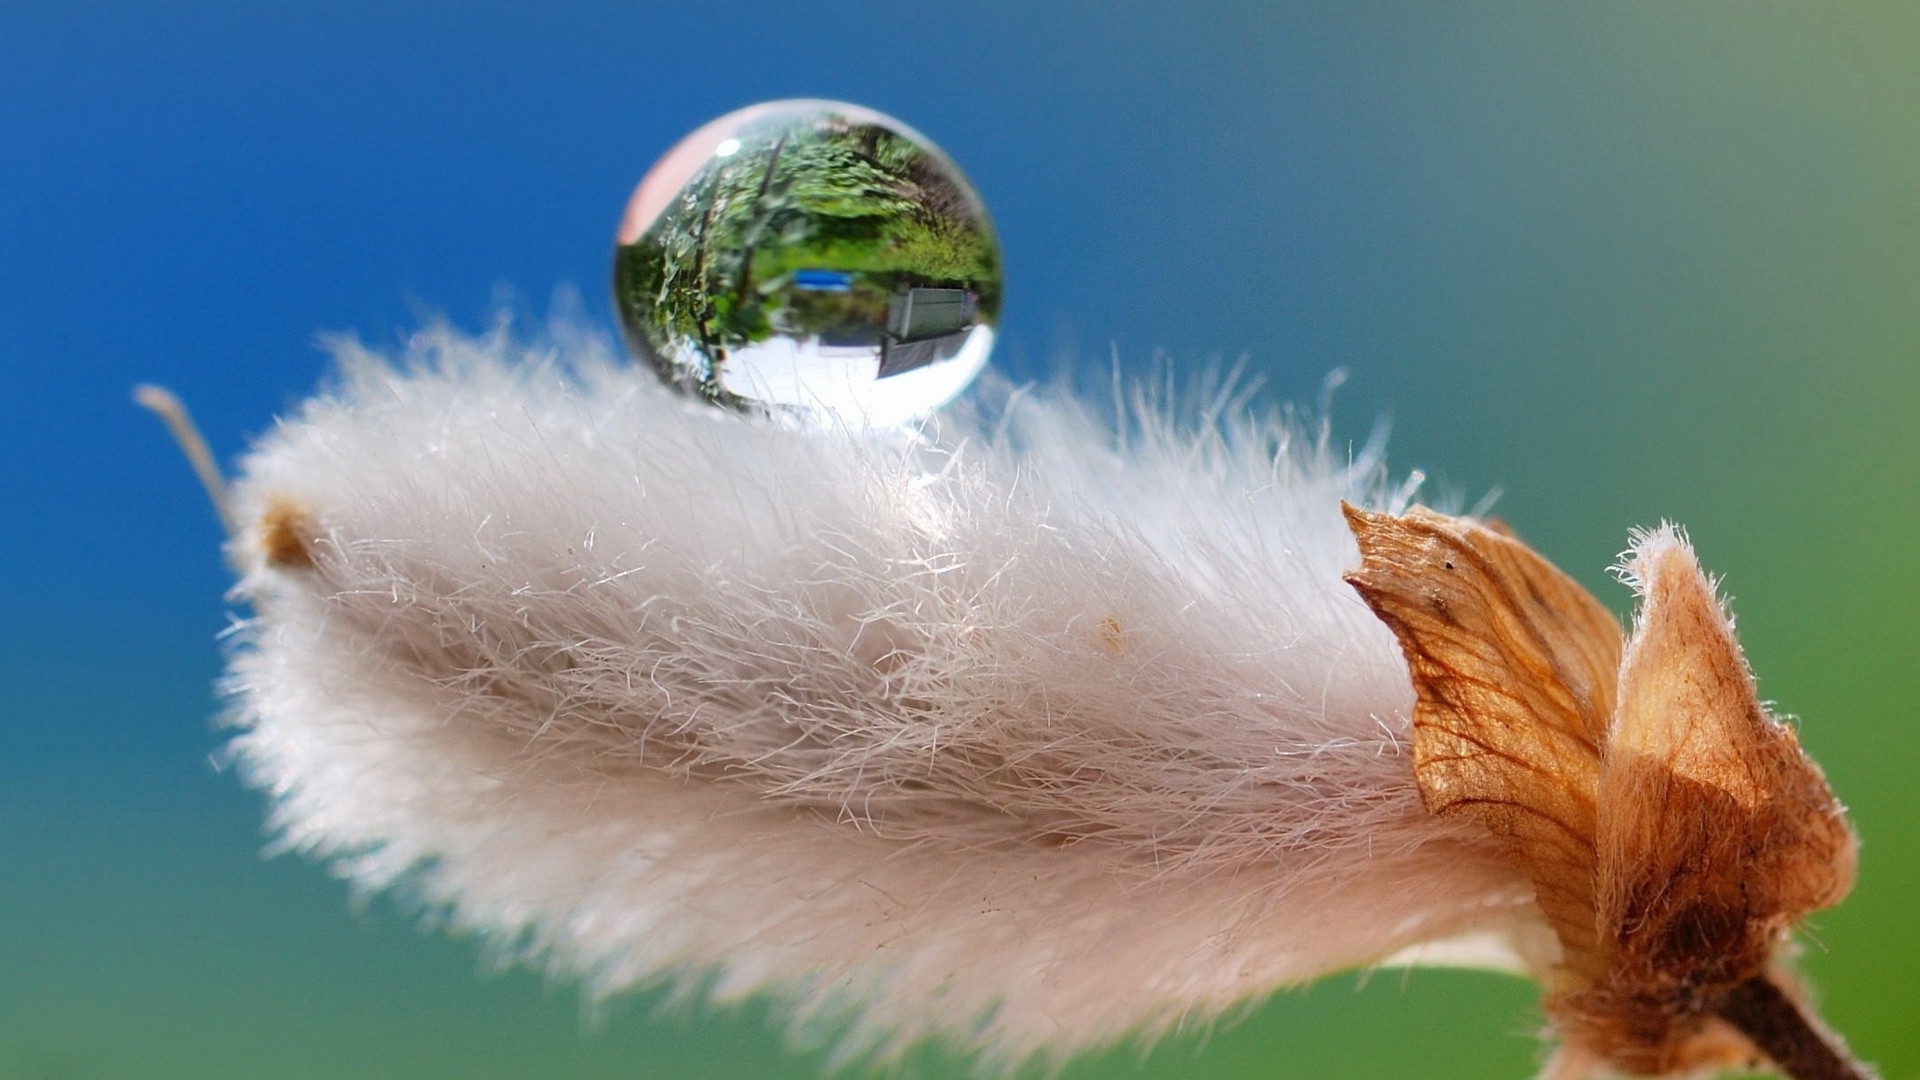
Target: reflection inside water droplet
[812,257]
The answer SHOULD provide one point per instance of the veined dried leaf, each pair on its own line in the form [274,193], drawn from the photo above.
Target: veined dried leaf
[1514,666]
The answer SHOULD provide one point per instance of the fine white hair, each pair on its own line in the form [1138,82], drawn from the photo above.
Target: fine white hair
[1028,731]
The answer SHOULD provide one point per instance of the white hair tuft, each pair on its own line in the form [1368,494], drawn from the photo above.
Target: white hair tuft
[1022,731]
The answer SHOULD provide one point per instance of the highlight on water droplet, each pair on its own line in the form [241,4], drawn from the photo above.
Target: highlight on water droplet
[813,258]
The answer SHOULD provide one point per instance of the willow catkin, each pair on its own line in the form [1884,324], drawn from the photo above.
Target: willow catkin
[1028,732]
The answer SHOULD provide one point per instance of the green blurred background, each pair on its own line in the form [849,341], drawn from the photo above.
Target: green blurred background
[1626,262]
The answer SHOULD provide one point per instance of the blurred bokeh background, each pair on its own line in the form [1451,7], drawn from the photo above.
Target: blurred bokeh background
[1626,262]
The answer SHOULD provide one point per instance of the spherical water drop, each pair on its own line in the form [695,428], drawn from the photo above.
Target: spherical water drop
[813,258]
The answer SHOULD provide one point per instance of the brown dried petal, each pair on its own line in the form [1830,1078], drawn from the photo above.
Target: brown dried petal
[1716,833]
[1689,711]
[1514,667]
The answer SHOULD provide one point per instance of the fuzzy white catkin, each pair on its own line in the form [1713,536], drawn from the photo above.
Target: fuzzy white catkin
[1029,733]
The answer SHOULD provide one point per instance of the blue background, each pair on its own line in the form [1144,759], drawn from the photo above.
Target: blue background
[1629,261]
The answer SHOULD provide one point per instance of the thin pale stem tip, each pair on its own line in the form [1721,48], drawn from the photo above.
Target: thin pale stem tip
[180,422]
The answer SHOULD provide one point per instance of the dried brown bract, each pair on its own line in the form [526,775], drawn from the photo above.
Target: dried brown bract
[1675,832]
[286,534]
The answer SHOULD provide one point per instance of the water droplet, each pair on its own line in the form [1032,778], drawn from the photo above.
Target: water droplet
[813,258]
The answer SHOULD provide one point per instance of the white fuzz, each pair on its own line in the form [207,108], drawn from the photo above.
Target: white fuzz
[1025,733]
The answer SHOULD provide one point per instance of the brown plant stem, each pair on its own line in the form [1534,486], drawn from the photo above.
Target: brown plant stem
[1780,1029]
